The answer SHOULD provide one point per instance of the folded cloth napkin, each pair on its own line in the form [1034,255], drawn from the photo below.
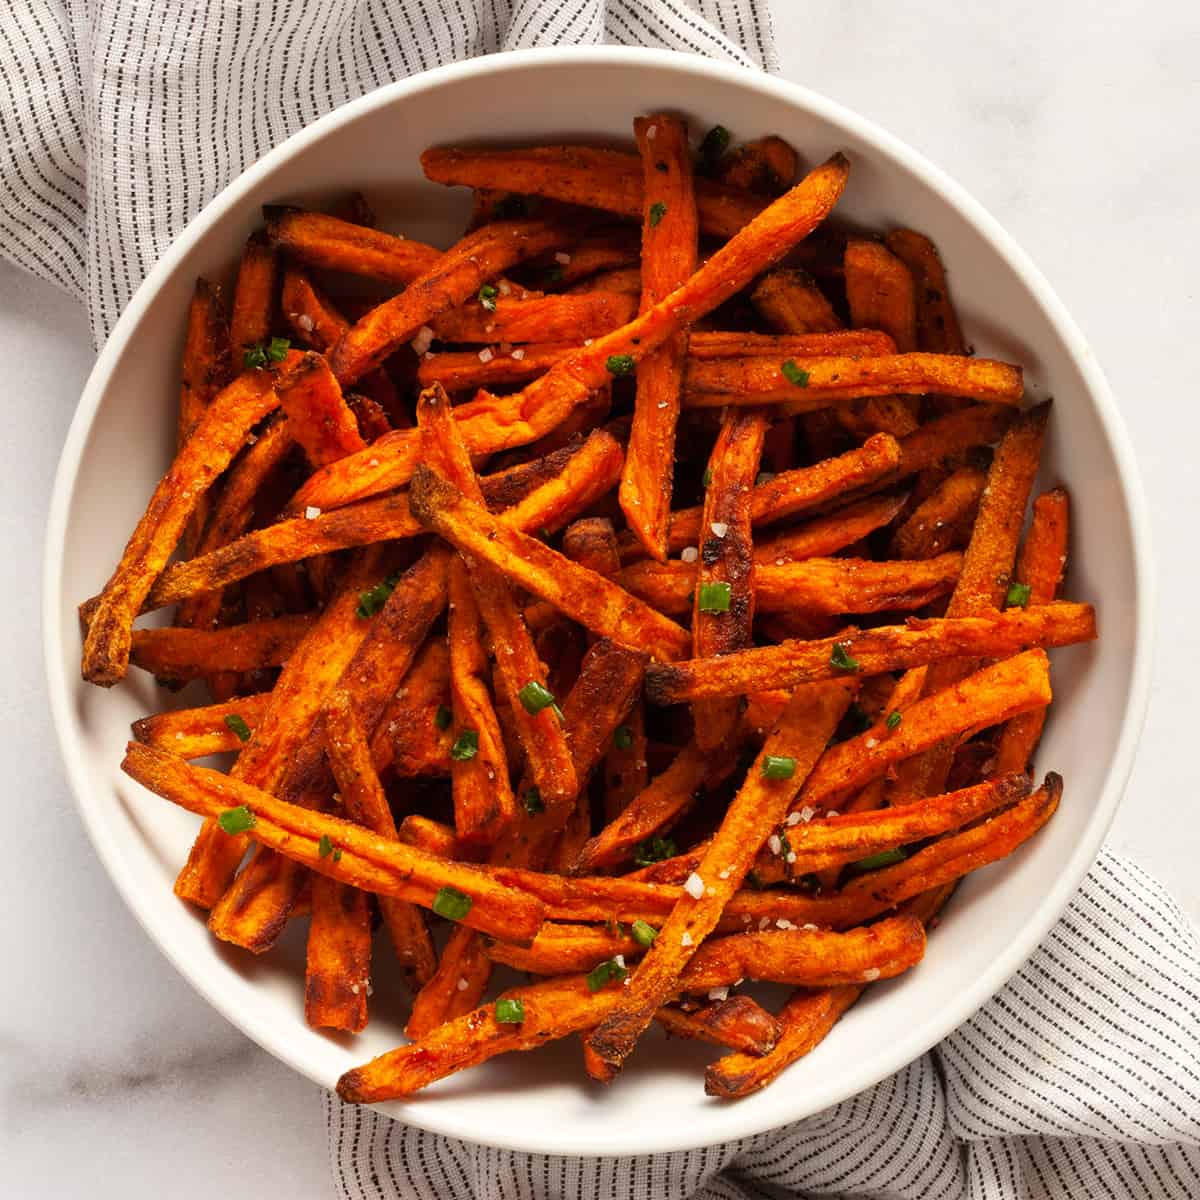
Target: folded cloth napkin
[120,119]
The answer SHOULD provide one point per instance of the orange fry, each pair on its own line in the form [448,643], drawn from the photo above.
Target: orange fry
[199,732]
[173,653]
[938,330]
[563,318]
[254,296]
[318,417]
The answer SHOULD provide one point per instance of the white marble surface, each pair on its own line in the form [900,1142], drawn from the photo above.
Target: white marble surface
[1074,123]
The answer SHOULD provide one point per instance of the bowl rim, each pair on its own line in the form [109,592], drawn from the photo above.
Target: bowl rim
[741,1121]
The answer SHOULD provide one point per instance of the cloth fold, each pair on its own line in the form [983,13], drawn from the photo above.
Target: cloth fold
[119,120]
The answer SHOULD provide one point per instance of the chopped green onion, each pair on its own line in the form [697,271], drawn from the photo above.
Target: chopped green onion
[620,364]
[337,854]
[644,933]
[706,478]
[235,723]
[509,1012]
[604,973]
[778,766]
[652,850]
[237,820]
[373,599]
[794,374]
[451,903]
[623,737]
[535,696]
[442,717]
[254,356]
[532,799]
[487,297]
[324,846]
[714,597]
[277,349]
[894,718]
[657,212]
[466,745]
[715,143]
[1017,595]
[885,858]
[841,659]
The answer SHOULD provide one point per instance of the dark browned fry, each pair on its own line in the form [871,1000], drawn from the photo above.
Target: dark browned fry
[254,296]
[937,323]
[173,653]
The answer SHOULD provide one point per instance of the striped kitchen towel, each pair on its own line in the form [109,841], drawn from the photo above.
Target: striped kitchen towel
[1080,1080]
[120,119]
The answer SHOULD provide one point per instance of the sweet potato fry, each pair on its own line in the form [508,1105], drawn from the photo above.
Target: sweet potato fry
[464,370]
[801,733]
[561,949]
[607,248]
[367,861]
[592,600]
[222,431]
[885,648]
[625,282]
[814,585]
[724,591]
[739,1023]
[765,166]
[409,739]
[558,1007]
[710,345]
[173,653]
[989,696]
[1040,567]
[880,292]
[254,295]
[338,957]
[592,543]
[483,799]
[626,771]
[522,673]
[587,175]
[456,985]
[435,838]
[840,379]
[314,318]
[366,804]
[560,318]
[791,301]
[659,806]
[320,240]
[491,424]
[825,535]
[951,434]
[943,517]
[449,281]
[669,247]
[938,330]
[199,732]
[318,416]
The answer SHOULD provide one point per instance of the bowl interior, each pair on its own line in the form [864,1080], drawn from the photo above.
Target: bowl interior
[121,443]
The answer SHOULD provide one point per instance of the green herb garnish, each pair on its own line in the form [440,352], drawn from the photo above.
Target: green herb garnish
[1017,595]
[706,478]
[324,846]
[714,597]
[778,766]
[714,144]
[885,858]
[841,659]
[620,364]
[466,745]
[644,933]
[337,854]
[794,374]
[623,737]
[277,349]
[894,719]
[487,297]
[535,696]
[604,973]
[532,799]
[238,726]
[373,599]
[451,903]
[657,212]
[254,356]
[652,850]
[237,820]
[509,1012]
[442,717]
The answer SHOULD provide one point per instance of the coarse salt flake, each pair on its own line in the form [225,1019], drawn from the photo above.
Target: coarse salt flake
[694,886]
[724,872]
[518,354]
[504,287]
[774,844]
[486,354]
[719,528]
[793,819]
[619,959]
[686,940]
[689,554]
[870,975]
[562,257]
[784,923]
[461,985]
[422,340]
[763,922]
[807,814]
[791,857]
[312,512]
[718,993]
[871,743]
[651,132]
[811,928]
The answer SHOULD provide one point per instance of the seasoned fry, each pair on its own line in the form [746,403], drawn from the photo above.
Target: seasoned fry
[220,434]
[803,729]
[199,732]
[989,696]
[938,330]
[815,585]
[254,295]
[626,771]
[586,175]
[885,648]
[669,247]
[880,292]
[435,838]
[491,424]
[709,345]
[338,967]
[320,240]
[766,166]
[173,653]
[318,416]
[943,517]
[738,1023]
[368,861]
[449,281]
[1040,567]
[953,433]
[840,379]
[825,535]
[366,804]
[589,598]
[455,988]
[791,301]
[592,543]
[606,248]
[410,738]
[569,318]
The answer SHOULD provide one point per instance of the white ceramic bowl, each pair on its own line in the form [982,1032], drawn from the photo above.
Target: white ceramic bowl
[119,444]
